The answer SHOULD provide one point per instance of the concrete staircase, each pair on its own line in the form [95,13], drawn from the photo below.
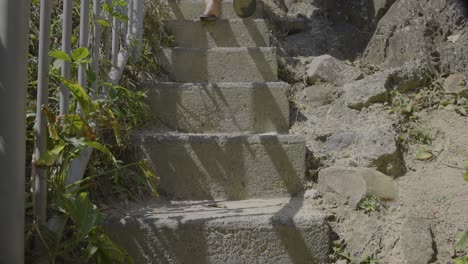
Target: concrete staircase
[221,147]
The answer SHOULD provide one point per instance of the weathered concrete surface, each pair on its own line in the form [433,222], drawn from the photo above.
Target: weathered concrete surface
[238,64]
[250,231]
[224,166]
[354,184]
[416,241]
[192,9]
[325,68]
[220,108]
[222,33]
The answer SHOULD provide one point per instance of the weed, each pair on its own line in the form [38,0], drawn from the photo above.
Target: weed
[339,251]
[370,260]
[461,248]
[370,205]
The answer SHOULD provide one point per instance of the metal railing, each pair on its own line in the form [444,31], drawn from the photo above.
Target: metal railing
[123,36]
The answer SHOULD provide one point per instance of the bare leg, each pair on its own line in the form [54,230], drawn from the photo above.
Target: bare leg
[213,8]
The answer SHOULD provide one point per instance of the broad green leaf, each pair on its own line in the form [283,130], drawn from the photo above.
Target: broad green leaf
[107,8]
[103,22]
[84,214]
[81,95]
[100,147]
[50,157]
[80,53]
[110,252]
[120,16]
[60,55]
[466,176]
[461,241]
[120,3]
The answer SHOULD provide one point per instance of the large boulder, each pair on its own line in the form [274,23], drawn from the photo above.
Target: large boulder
[352,185]
[411,30]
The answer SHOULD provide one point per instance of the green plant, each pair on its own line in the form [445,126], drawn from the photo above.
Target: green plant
[103,125]
[465,175]
[461,248]
[370,205]
[339,251]
[370,260]
[406,106]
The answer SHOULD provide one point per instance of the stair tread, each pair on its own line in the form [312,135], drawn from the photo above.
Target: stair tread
[214,210]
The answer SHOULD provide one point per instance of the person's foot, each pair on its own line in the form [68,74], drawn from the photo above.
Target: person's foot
[212,10]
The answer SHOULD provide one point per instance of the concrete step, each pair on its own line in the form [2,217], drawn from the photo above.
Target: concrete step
[220,33]
[223,166]
[220,108]
[192,9]
[220,64]
[251,231]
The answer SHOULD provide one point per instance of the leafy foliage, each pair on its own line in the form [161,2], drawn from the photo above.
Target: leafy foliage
[370,205]
[461,247]
[104,125]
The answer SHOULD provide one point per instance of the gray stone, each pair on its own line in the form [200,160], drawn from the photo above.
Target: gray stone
[416,241]
[311,194]
[376,88]
[340,140]
[222,33]
[220,108]
[359,241]
[367,91]
[325,68]
[378,148]
[354,184]
[251,231]
[293,69]
[238,64]
[192,9]
[317,95]
[224,166]
[455,84]
[410,31]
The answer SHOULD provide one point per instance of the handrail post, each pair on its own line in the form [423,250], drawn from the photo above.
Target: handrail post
[40,181]
[14,27]
[66,47]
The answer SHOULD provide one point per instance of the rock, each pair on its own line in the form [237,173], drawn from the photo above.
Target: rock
[367,91]
[359,241]
[340,140]
[455,84]
[311,194]
[325,68]
[416,241]
[409,31]
[378,148]
[289,25]
[293,69]
[375,88]
[353,184]
[317,95]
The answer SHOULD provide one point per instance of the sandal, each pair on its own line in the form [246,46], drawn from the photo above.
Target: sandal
[208,17]
[244,8]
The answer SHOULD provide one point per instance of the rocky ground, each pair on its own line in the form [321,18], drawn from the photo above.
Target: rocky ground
[380,92]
